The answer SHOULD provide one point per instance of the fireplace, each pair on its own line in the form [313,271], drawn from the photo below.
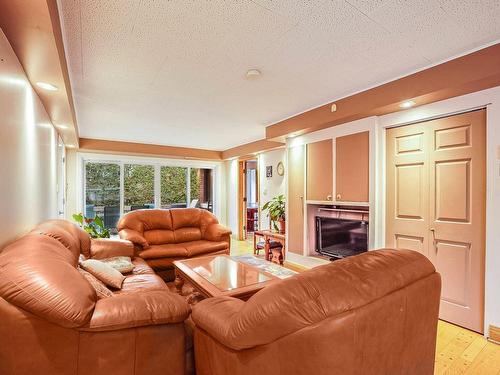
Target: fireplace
[338,238]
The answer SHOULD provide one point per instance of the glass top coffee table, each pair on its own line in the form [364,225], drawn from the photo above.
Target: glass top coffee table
[223,275]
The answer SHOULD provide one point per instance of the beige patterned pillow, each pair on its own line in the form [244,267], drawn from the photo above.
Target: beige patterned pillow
[100,289]
[107,274]
[122,264]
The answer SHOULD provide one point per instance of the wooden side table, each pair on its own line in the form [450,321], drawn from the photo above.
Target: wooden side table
[278,254]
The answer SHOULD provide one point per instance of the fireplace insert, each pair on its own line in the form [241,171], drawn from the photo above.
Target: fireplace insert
[340,238]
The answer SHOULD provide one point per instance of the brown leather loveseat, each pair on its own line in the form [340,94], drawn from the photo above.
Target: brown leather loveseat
[163,236]
[373,314]
[51,321]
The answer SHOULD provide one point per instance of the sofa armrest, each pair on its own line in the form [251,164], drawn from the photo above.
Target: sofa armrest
[123,311]
[133,236]
[101,248]
[217,232]
[216,315]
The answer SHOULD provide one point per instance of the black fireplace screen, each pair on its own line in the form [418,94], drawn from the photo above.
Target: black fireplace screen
[340,238]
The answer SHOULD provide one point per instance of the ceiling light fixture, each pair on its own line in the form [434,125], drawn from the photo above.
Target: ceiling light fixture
[407,104]
[47,86]
[253,73]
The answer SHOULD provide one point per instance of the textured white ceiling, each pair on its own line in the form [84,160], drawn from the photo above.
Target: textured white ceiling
[173,72]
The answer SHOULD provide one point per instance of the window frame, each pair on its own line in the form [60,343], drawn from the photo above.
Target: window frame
[83,158]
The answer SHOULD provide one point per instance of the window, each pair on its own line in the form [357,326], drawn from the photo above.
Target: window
[173,187]
[139,191]
[102,192]
[113,188]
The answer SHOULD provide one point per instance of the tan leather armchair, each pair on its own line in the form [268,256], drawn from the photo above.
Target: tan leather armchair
[374,314]
[52,323]
[163,236]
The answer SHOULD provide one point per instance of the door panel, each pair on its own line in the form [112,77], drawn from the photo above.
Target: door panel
[295,215]
[352,166]
[457,180]
[409,242]
[320,170]
[407,189]
[436,205]
[452,260]
[452,191]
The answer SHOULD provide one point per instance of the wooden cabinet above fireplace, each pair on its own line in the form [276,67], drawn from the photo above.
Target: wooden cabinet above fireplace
[320,171]
[352,168]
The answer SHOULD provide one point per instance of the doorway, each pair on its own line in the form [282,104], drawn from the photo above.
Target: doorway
[248,199]
[436,205]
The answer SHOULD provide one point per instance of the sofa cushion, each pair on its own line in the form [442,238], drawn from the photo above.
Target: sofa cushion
[141,267]
[185,217]
[104,272]
[104,248]
[37,275]
[68,234]
[159,236]
[187,234]
[139,283]
[195,248]
[162,251]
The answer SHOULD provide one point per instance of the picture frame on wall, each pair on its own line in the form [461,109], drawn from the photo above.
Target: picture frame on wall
[269,171]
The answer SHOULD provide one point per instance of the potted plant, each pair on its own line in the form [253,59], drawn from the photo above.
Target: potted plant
[94,227]
[276,209]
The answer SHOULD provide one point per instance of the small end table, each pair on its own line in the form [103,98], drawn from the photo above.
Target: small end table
[278,254]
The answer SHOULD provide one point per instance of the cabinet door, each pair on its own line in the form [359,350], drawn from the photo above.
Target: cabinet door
[352,164]
[295,214]
[320,170]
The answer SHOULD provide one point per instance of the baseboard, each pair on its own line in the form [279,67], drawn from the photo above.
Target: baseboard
[494,334]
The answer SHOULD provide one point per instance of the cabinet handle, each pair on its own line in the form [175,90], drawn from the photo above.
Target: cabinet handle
[328,197]
[339,197]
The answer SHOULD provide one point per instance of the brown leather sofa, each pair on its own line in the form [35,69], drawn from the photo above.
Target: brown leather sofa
[52,323]
[163,236]
[374,314]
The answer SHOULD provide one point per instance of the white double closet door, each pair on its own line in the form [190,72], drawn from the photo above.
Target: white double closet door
[436,193]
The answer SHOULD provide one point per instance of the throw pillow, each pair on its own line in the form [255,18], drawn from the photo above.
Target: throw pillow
[107,274]
[121,264]
[100,289]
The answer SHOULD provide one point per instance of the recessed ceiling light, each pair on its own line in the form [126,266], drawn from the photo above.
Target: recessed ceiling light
[407,104]
[70,146]
[62,126]
[47,86]
[253,73]
[45,125]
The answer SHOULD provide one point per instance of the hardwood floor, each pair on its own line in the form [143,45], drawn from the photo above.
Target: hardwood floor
[458,350]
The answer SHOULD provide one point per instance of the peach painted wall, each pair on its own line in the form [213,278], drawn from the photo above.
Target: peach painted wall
[28,149]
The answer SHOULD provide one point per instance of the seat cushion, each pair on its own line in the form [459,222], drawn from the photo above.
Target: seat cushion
[140,283]
[141,267]
[195,248]
[164,251]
